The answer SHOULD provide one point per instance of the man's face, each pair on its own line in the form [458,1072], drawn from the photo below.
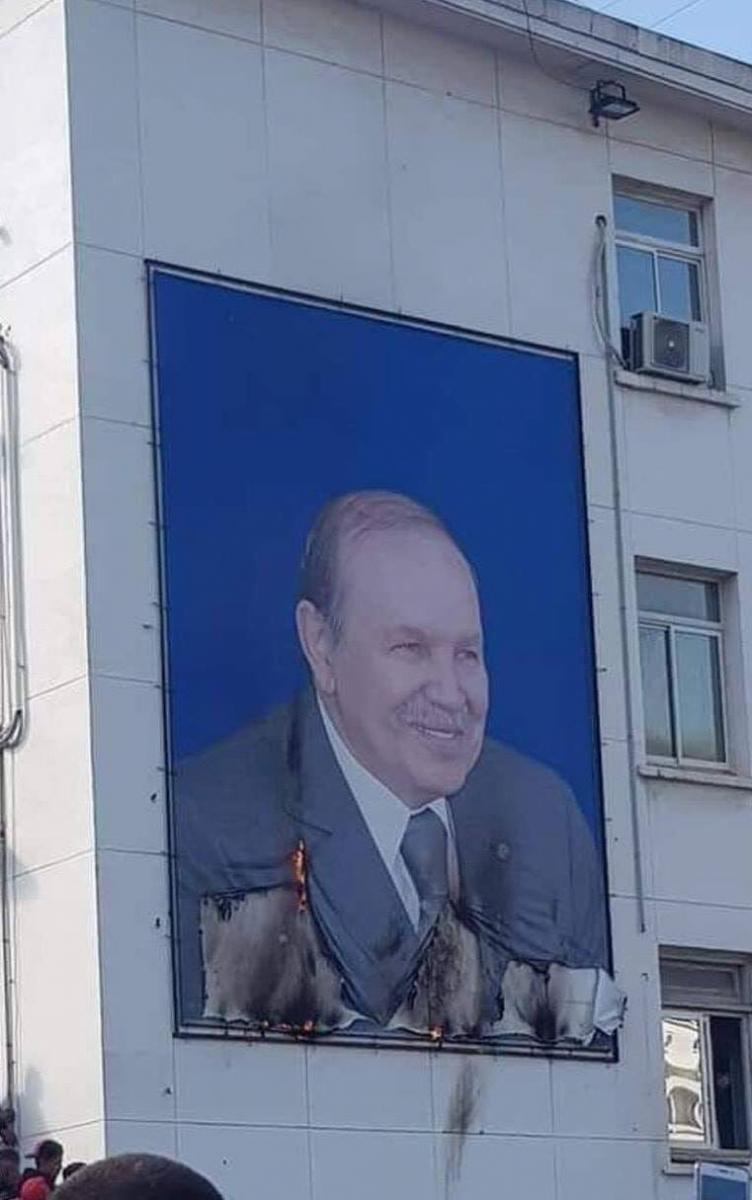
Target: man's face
[50,1166]
[408,688]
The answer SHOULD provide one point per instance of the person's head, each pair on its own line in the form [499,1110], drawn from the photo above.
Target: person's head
[137,1177]
[389,622]
[10,1170]
[48,1156]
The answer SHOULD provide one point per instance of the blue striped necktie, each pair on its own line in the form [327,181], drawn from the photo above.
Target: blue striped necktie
[424,849]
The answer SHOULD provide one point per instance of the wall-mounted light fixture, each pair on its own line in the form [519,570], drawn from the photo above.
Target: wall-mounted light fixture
[608,99]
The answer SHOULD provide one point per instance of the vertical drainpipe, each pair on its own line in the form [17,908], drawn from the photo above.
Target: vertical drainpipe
[12,670]
[624,627]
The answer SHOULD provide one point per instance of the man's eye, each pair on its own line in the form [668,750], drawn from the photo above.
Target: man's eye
[469,656]
[408,647]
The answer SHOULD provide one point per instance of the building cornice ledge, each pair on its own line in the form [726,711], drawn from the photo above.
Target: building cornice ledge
[593,37]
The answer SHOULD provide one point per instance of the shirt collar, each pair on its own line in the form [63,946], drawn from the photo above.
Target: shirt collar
[384,813]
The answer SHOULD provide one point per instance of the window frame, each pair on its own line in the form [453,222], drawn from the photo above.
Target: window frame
[670,249]
[672,625]
[686,1003]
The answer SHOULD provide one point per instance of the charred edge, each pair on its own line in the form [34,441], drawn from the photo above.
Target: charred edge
[544,1022]
[299,874]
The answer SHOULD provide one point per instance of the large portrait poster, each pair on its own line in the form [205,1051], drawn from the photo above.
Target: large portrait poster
[382,734]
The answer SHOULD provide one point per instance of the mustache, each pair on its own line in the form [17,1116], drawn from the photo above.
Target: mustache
[433,716]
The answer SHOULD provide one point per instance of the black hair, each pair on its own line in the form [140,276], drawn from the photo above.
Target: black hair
[137,1177]
[48,1148]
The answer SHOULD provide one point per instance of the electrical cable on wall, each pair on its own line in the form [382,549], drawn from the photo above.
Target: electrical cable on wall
[452,6]
[537,60]
[12,647]
[597,298]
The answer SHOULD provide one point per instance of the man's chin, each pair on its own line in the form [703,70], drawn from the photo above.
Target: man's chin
[446,782]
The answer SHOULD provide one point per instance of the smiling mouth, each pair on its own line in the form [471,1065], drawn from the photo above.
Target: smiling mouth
[439,735]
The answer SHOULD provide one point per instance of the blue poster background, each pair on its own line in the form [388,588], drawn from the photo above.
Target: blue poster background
[268,406]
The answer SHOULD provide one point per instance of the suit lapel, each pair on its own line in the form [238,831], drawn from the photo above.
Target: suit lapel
[360,916]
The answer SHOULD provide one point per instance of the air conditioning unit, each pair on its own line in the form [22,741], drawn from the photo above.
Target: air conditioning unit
[663,346]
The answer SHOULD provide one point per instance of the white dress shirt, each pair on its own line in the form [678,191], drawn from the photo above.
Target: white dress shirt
[386,817]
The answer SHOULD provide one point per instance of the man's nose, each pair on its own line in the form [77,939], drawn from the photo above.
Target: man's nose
[443,686]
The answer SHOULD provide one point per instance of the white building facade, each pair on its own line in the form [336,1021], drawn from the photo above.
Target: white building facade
[434,158]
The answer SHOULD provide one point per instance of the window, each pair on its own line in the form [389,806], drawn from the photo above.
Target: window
[706,1010]
[681,654]
[659,260]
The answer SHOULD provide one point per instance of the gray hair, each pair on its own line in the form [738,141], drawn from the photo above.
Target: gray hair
[347,518]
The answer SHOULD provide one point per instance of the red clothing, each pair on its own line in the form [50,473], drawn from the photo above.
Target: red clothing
[35,1189]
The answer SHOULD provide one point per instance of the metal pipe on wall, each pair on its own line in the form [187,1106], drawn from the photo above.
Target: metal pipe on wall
[13,698]
[612,356]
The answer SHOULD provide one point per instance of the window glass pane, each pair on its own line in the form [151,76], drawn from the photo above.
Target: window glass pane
[651,219]
[686,1079]
[710,981]
[636,282]
[698,683]
[678,288]
[659,733]
[676,597]
[728,1083]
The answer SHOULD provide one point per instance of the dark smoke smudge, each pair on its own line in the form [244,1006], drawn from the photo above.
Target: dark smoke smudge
[463,1107]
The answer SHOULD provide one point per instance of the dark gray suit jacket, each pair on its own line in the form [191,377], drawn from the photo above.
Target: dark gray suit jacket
[531,883]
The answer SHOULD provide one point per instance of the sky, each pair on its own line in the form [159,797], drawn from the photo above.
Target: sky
[721,25]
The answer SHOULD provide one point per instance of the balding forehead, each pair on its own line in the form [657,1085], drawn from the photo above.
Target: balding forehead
[359,545]
[364,563]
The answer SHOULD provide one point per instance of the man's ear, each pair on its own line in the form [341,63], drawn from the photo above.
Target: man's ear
[316,643]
